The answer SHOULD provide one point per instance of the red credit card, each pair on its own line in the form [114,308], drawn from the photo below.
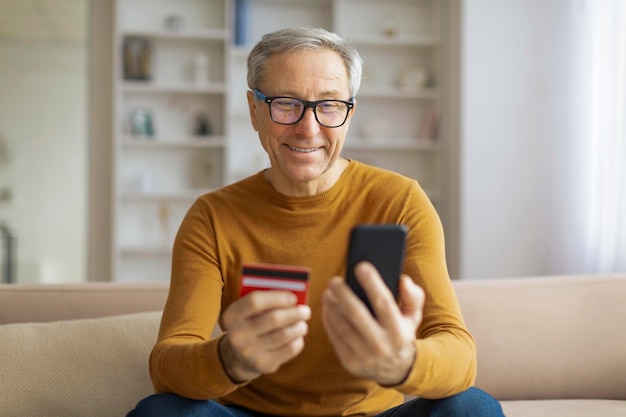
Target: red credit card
[258,276]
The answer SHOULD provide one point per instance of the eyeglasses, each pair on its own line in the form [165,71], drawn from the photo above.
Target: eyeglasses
[289,110]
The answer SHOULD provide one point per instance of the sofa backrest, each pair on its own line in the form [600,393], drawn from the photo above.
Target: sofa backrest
[20,303]
[537,338]
[549,337]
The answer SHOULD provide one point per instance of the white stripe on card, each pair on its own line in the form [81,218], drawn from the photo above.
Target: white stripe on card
[277,284]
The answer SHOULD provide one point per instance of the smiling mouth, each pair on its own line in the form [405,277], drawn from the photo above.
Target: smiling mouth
[303,150]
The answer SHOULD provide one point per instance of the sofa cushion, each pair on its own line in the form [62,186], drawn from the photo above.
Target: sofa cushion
[87,367]
[564,408]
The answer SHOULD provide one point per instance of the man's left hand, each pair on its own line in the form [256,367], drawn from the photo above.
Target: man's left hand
[380,348]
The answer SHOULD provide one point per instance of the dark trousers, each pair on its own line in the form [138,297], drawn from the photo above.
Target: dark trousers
[471,403]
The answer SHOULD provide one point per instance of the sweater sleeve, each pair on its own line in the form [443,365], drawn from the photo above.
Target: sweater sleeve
[446,354]
[185,359]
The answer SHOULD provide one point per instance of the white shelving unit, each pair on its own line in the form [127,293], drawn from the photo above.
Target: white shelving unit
[182,86]
[158,177]
[399,41]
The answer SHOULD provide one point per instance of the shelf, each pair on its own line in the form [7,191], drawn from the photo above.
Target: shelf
[161,196]
[365,144]
[183,34]
[400,40]
[397,92]
[240,51]
[159,87]
[146,250]
[174,142]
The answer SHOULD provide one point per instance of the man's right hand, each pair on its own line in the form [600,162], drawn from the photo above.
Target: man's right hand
[264,329]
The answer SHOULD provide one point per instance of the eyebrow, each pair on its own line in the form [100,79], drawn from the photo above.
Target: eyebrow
[328,95]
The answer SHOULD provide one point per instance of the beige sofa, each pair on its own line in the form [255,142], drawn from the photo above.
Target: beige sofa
[547,346]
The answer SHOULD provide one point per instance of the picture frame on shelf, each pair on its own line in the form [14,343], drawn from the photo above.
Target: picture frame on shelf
[137,59]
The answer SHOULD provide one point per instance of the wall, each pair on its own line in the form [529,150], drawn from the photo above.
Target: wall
[510,75]
[42,117]
[511,68]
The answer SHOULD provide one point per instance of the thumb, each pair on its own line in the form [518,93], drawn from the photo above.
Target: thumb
[410,299]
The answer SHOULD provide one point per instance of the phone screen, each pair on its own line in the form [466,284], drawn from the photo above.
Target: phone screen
[381,244]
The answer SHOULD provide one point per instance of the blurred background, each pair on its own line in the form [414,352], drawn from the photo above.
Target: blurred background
[537,168]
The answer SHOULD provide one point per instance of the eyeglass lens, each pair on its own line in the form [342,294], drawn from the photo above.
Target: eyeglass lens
[329,113]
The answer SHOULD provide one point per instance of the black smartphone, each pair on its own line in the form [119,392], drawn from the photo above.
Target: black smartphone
[381,244]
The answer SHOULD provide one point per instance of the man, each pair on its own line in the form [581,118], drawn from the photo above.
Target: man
[330,357]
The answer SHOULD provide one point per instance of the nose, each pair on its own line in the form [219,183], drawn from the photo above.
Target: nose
[307,126]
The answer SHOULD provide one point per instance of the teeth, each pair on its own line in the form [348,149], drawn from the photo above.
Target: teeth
[307,150]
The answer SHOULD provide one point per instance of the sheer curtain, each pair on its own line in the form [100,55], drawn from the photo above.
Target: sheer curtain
[590,195]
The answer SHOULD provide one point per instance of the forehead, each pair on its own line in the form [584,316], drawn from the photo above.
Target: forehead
[306,71]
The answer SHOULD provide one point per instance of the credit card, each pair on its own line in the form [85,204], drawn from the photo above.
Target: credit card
[263,277]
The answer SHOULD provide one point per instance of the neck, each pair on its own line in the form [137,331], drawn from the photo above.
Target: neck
[306,188]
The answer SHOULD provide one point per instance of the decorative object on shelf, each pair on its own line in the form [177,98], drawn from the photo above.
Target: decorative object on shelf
[174,22]
[412,79]
[202,125]
[7,258]
[137,59]
[201,68]
[377,129]
[241,22]
[147,182]
[389,28]
[164,213]
[430,125]
[5,154]
[6,195]
[141,122]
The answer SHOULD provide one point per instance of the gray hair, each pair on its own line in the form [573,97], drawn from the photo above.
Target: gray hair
[295,39]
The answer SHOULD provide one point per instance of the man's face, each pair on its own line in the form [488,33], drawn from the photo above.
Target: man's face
[305,156]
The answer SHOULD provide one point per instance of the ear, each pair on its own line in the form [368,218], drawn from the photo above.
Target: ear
[352,111]
[252,107]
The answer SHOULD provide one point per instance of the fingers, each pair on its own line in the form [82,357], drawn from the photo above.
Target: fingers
[381,348]
[258,302]
[411,298]
[263,330]
[378,294]
[264,311]
[273,329]
[409,305]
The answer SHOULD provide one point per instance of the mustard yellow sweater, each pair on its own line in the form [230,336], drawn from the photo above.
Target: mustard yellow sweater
[250,222]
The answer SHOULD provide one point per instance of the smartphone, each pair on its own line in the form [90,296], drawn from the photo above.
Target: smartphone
[381,244]
[263,276]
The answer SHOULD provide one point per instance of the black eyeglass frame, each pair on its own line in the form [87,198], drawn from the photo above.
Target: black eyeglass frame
[307,105]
